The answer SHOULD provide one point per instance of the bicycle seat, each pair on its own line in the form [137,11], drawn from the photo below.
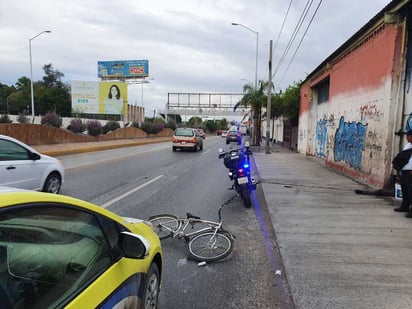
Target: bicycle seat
[190,216]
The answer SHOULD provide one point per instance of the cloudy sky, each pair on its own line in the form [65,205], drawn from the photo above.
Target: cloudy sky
[191,45]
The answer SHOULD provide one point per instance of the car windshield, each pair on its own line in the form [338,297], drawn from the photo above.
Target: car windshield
[233,132]
[183,132]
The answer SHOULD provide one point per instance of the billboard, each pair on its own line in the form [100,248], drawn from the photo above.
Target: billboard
[85,97]
[123,69]
[99,97]
[113,98]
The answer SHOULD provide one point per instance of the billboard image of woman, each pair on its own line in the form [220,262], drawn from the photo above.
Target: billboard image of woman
[114,98]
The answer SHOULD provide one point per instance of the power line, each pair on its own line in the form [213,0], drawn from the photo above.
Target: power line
[304,34]
[293,36]
[281,29]
[283,24]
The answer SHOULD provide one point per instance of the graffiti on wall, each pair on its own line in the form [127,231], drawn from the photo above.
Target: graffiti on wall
[350,142]
[369,112]
[374,143]
[321,136]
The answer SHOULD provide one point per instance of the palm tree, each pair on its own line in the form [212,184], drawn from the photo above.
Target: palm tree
[255,99]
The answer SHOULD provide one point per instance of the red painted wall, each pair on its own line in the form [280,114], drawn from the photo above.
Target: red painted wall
[365,67]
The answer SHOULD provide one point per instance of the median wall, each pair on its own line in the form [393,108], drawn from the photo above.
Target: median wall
[37,134]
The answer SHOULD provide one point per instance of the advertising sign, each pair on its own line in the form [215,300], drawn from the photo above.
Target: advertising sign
[99,97]
[113,98]
[123,69]
[85,97]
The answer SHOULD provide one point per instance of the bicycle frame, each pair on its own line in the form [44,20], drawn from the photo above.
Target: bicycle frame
[209,243]
[186,222]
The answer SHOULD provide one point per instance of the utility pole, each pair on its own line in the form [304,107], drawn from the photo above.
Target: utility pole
[269,106]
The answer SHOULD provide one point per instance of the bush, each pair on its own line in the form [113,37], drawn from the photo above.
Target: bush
[51,119]
[171,124]
[76,126]
[5,119]
[94,127]
[152,128]
[22,118]
[135,124]
[110,126]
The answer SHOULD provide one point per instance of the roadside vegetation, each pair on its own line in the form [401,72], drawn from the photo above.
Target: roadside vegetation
[53,101]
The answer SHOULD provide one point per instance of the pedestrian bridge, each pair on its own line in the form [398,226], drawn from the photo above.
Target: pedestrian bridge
[205,104]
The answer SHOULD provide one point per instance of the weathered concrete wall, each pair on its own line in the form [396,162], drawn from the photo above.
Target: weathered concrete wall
[353,130]
[36,134]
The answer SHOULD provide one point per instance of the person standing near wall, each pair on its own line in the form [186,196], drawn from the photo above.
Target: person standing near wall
[406,180]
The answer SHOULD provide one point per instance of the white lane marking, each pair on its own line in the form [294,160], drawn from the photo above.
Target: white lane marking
[107,204]
[205,152]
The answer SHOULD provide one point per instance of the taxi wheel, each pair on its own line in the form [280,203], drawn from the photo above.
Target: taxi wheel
[151,290]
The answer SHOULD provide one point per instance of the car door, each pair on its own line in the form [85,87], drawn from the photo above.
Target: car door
[17,169]
[53,255]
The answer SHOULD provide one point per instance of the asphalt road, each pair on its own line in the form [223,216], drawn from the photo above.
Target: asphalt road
[147,180]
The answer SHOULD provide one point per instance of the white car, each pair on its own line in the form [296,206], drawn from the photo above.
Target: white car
[23,167]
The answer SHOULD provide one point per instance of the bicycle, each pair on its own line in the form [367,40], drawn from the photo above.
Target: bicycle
[206,244]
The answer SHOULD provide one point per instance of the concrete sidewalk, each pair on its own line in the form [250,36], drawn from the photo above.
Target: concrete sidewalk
[339,249]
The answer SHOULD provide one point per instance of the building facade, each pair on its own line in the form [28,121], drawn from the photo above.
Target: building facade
[354,106]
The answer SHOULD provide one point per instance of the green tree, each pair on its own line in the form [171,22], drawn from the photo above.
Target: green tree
[286,104]
[19,101]
[195,122]
[211,125]
[254,99]
[53,77]
[223,124]
[52,94]
[291,103]
[5,91]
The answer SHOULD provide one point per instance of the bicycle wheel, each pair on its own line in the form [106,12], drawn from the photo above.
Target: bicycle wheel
[210,246]
[165,225]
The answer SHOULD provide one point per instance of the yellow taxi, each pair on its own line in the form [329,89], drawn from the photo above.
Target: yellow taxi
[61,252]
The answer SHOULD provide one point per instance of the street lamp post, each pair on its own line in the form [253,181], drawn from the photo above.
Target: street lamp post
[145,81]
[31,73]
[257,48]
[256,71]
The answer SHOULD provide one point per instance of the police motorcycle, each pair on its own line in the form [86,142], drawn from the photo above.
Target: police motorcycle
[238,163]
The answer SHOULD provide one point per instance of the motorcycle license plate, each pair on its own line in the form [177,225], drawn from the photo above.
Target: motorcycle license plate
[242,180]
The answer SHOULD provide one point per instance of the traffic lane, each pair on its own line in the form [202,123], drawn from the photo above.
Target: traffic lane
[101,157]
[244,279]
[198,183]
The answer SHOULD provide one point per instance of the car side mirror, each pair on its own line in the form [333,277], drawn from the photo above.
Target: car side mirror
[34,156]
[134,246]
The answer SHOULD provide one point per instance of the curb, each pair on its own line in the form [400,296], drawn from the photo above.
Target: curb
[75,148]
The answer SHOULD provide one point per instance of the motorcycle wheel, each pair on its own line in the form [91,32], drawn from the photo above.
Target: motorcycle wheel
[245,194]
